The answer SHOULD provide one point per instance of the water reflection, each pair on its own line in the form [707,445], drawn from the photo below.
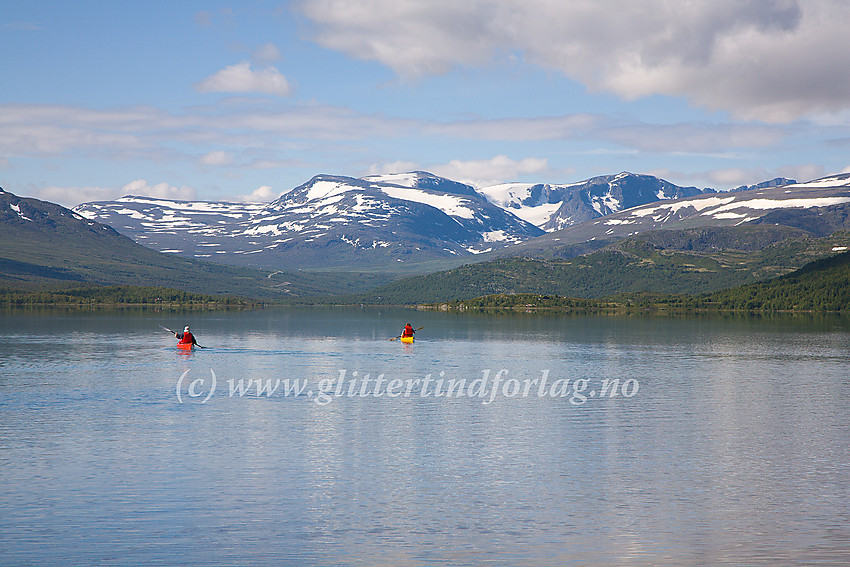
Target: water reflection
[734,450]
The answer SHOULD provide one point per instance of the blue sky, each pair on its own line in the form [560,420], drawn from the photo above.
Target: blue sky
[246,100]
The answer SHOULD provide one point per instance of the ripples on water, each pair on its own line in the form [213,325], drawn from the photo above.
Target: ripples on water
[734,449]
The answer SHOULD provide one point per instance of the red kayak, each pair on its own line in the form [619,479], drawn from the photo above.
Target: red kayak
[185,346]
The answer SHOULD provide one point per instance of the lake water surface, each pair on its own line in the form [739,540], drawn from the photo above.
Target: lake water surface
[493,440]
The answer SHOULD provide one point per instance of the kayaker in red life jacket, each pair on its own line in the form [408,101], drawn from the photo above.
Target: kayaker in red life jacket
[186,337]
[408,331]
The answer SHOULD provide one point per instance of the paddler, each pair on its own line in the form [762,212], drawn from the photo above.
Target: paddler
[408,331]
[186,337]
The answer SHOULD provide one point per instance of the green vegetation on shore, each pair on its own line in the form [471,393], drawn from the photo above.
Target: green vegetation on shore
[822,286]
[119,295]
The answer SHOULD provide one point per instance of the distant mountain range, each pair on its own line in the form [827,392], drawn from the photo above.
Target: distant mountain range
[399,223]
[337,235]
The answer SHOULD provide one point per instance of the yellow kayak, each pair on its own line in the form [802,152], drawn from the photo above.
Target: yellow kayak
[407,340]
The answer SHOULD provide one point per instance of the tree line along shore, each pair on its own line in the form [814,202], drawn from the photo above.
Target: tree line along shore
[821,286]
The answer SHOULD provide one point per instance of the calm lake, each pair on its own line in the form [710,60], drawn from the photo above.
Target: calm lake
[305,436]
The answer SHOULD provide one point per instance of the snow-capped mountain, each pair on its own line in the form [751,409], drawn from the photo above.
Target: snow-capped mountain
[553,207]
[329,221]
[819,207]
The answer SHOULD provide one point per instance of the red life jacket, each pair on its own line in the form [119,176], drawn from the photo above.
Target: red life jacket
[408,331]
[187,339]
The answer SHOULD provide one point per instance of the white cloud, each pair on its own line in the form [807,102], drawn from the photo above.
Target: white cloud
[61,130]
[520,129]
[217,158]
[692,138]
[262,194]
[73,196]
[134,132]
[270,134]
[55,129]
[412,37]
[803,173]
[262,163]
[163,190]
[481,173]
[732,177]
[23,26]
[772,60]
[393,167]
[266,54]
[240,78]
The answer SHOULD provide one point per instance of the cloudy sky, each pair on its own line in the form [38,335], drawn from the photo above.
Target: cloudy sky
[246,100]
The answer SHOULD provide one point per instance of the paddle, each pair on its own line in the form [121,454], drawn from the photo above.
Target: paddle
[173,333]
[398,337]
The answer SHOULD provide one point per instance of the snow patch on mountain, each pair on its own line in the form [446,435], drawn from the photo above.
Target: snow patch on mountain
[17,209]
[805,203]
[449,204]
